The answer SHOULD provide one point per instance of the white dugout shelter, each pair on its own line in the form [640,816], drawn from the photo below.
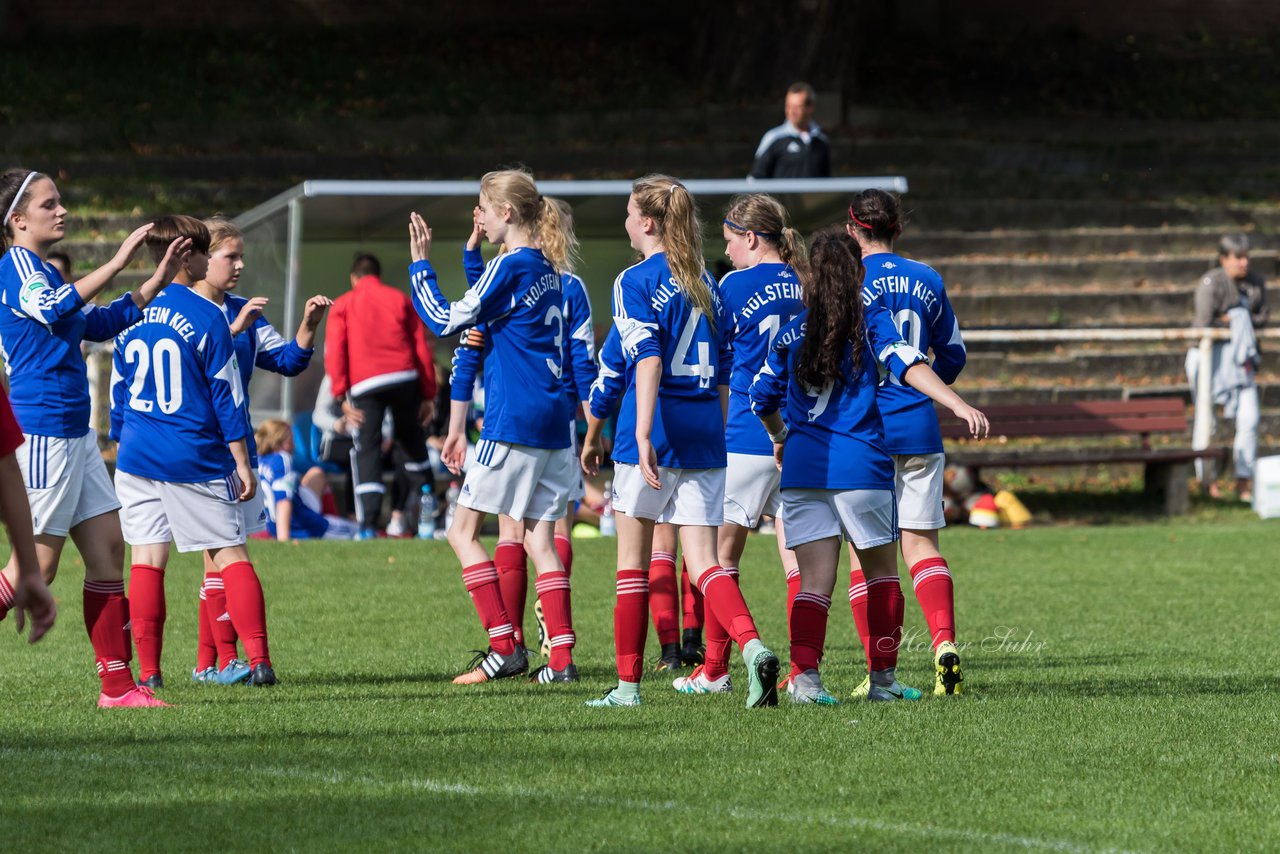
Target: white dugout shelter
[302,242]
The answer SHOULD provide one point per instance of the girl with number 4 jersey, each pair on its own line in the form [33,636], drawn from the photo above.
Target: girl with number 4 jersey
[42,322]
[915,298]
[816,395]
[674,330]
[524,461]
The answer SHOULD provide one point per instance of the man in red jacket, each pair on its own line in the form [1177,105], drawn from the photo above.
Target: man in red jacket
[378,360]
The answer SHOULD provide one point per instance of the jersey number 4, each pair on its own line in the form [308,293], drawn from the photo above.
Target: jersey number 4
[166,361]
[702,369]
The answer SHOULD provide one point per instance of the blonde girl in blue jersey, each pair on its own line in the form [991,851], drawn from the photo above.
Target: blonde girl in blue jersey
[669,458]
[524,461]
[837,476]
[42,325]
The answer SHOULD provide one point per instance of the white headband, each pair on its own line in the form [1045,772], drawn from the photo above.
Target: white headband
[26,182]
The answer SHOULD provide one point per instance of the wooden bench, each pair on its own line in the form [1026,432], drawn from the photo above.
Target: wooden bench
[1166,470]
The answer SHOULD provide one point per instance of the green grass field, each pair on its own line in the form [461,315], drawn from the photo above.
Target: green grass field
[1123,695]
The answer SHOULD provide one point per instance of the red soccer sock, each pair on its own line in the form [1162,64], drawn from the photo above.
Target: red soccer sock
[513,580]
[808,630]
[329,504]
[719,585]
[662,597]
[206,649]
[224,632]
[481,581]
[858,604]
[6,596]
[105,614]
[553,590]
[716,660]
[931,580]
[248,610]
[147,615]
[693,606]
[564,548]
[793,587]
[884,621]
[629,623]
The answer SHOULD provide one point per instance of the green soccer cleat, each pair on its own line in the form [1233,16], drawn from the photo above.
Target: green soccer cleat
[806,689]
[885,687]
[611,698]
[762,676]
[946,662]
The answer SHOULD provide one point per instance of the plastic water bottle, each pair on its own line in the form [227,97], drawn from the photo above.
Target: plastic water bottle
[451,503]
[427,513]
[608,526]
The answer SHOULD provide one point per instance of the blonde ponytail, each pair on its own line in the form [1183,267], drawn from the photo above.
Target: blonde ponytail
[555,234]
[671,206]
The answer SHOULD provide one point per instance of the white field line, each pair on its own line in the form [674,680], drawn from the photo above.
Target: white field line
[445,787]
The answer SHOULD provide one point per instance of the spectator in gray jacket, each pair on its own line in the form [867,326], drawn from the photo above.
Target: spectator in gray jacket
[1232,286]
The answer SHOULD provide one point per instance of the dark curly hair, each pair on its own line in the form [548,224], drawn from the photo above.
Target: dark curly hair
[833,296]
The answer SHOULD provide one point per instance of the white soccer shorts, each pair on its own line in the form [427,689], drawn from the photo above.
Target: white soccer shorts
[195,516]
[865,517]
[918,481]
[519,481]
[687,496]
[255,513]
[751,489]
[67,481]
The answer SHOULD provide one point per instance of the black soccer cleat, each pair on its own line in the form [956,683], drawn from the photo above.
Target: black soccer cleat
[544,675]
[154,681]
[261,675]
[671,658]
[489,665]
[692,651]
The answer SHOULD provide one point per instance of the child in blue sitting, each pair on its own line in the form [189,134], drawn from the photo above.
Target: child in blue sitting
[295,507]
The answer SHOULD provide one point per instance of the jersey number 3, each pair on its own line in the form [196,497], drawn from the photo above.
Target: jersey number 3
[167,363]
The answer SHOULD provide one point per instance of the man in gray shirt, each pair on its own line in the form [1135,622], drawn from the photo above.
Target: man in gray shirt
[1229,286]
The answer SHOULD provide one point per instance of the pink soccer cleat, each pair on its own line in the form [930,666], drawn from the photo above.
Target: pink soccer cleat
[139,698]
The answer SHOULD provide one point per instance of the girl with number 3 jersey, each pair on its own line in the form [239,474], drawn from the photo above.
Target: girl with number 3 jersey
[524,461]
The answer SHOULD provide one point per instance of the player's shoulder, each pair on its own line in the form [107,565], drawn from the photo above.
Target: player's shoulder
[20,265]
[648,269]
[773,135]
[791,333]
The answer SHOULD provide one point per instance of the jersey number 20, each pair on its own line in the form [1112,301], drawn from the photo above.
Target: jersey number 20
[167,363]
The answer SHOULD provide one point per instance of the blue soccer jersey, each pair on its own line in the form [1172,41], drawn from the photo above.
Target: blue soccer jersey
[279,482]
[915,298]
[519,299]
[176,397]
[579,369]
[761,300]
[40,337]
[262,346]
[836,438]
[653,318]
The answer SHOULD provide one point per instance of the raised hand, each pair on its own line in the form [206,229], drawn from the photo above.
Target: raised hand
[477,229]
[419,238]
[130,246]
[251,311]
[313,311]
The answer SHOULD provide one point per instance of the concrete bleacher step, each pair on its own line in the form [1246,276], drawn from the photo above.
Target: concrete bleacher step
[979,212]
[1128,269]
[1054,243]
[1074,307]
